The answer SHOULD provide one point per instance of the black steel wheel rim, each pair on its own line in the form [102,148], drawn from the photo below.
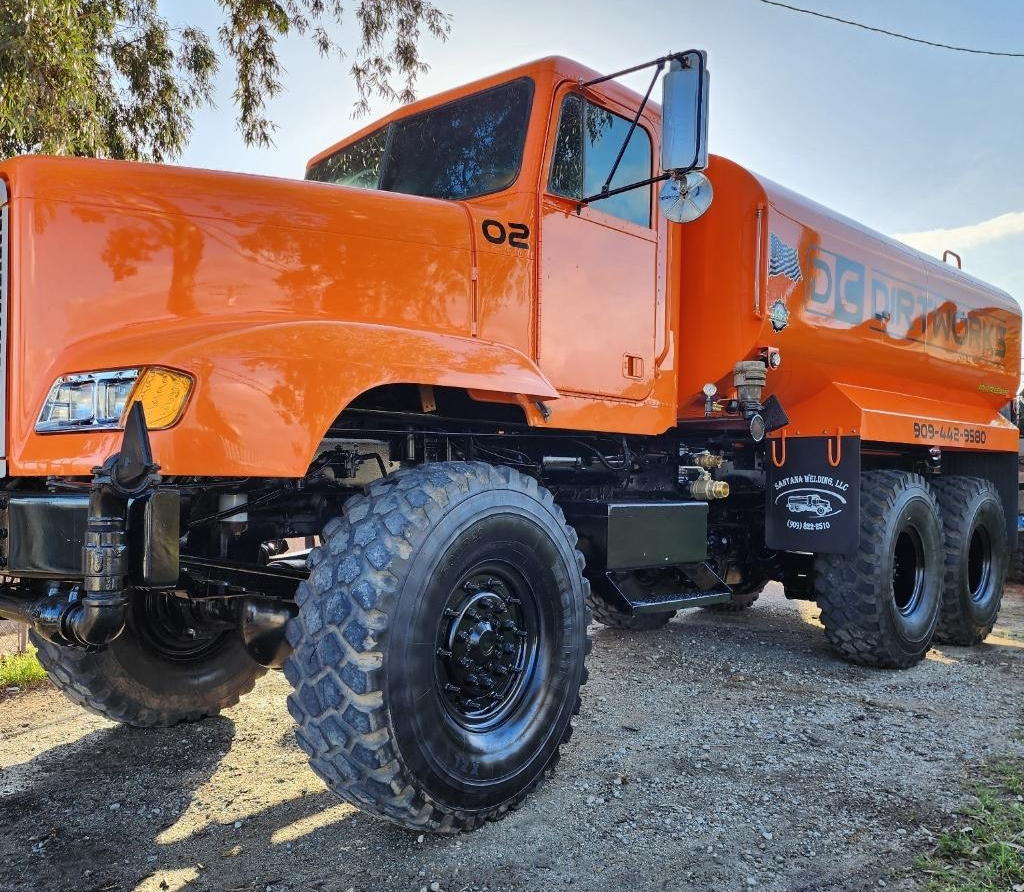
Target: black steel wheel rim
[169,626]
[487,645]
[979,564]
[908,577]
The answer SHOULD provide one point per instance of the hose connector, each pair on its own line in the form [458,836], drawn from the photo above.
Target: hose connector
[707,489]
[750,378]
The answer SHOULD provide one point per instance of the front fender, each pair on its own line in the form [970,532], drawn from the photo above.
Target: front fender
[266,393]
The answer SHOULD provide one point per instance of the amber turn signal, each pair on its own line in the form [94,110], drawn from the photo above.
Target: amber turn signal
[162,393]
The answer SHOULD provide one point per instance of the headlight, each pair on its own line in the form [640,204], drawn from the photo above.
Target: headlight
[101,400]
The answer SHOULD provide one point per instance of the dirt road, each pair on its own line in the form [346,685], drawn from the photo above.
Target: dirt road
[722,753]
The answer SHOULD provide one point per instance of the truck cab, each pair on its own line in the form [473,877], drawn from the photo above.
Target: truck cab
[531,144]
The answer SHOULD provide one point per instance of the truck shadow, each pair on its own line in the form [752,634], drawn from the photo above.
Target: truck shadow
[122,808]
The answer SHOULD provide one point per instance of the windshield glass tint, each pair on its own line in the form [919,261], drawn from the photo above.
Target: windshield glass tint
[469,147]
[358,165]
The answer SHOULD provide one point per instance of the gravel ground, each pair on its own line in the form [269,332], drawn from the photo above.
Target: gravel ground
[721,753]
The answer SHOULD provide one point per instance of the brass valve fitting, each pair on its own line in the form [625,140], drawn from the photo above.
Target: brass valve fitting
[707,489]
[708,461]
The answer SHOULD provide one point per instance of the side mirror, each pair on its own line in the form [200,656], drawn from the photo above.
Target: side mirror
[684,114]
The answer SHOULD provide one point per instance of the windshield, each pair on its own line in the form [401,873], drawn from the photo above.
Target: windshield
[465,148]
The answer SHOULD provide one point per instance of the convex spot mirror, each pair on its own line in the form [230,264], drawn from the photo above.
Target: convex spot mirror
[684,114]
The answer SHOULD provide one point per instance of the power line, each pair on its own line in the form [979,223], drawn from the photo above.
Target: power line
[944,46]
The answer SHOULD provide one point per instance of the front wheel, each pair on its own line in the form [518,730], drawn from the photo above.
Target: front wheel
[166,667]
[440,645]
[880,604]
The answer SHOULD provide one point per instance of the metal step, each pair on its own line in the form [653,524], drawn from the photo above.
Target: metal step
[705,588]
[679,601]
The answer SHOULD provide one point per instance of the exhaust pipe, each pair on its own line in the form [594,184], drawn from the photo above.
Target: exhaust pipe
[98,616]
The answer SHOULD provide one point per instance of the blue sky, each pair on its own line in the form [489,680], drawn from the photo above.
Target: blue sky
[908,139]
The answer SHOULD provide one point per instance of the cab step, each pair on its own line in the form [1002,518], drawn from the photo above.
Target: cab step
[704,589]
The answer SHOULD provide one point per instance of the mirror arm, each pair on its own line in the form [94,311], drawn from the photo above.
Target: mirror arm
[632,127]
[671,57]
[608,193]
[659,64]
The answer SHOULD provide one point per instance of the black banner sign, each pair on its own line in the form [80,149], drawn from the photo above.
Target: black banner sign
[814,497]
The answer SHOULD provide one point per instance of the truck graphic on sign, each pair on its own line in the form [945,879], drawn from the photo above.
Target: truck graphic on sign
[799,504]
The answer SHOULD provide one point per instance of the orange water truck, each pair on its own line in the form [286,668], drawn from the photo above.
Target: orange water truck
[514,357]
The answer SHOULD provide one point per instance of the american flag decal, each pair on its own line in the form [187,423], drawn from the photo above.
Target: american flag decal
[783,260]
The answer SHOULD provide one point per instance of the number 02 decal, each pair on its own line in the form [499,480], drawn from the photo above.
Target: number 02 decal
[517,234]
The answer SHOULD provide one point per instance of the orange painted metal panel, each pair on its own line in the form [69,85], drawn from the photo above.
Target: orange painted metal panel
[860,311]
[271,293]
[596,303]
[266,392]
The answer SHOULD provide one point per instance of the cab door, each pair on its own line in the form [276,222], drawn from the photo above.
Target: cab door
[598,282]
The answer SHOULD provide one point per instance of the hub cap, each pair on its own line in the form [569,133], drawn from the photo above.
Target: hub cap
[486,642]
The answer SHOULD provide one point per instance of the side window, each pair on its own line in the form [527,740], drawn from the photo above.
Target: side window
[589,137]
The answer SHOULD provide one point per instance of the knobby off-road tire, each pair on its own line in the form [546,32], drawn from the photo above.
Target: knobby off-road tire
[606,613]
[738,604]
[1016,574]
[880,605]
[432,566]
[154,674]
[977,555]
[742,599]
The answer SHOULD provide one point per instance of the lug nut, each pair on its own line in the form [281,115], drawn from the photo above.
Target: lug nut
[467,663]
[473,679]
[453,689]
[441,652]
[463,636]
[508,625]
[486,681]
[510,648]
[450,613]
[522,633]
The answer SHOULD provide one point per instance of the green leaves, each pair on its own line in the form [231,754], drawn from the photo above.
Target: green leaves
[113,78]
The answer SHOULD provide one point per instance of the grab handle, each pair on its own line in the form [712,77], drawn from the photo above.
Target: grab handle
[838,457]
[779,461]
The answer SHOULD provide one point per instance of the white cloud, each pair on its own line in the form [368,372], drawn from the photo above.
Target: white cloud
[959,238]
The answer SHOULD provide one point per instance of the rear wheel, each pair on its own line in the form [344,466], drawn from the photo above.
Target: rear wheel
[977,556]
[880,604]
[1016,574]
[743,598]
[440,645]
[166,667]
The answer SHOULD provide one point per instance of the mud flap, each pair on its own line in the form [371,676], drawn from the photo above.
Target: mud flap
[813,494]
